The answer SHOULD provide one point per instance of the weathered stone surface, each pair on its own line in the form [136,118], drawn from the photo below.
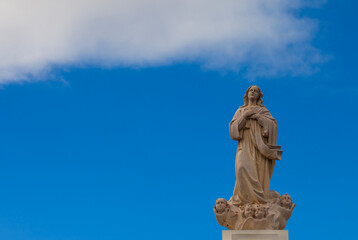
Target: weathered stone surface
[271,215]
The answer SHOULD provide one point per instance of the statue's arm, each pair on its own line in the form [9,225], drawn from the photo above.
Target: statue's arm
[237,123]
[259,118]
[266,121]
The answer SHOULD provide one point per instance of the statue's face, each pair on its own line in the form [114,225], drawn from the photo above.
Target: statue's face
[260,212]
[254,93]
[286,201]
[249,211]
[220,205]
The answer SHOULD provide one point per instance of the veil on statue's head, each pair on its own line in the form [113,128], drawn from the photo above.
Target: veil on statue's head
[246,98]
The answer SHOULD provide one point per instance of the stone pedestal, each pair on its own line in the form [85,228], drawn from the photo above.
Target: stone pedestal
[255,235]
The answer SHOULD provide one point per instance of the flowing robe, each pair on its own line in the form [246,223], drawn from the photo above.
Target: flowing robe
[255,156]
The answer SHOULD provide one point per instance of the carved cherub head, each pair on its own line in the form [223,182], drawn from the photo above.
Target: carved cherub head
[249,210]
[260,211]
[220,205]
[286,201]
[253,92]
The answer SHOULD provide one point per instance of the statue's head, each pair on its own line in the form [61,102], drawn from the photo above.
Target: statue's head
[286,201]
[220,205]
[254,94]
[249,210]
[260,211]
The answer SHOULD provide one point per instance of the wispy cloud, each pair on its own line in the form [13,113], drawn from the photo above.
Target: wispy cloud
[261,38]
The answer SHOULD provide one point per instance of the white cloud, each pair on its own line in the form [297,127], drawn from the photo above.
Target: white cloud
[260,37]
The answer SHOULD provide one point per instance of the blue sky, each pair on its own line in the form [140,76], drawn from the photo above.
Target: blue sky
[139,147]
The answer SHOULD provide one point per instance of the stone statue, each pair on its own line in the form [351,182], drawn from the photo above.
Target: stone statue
[253,205]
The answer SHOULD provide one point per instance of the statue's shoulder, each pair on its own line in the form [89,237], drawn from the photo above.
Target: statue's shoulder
[262,108]
[242,108]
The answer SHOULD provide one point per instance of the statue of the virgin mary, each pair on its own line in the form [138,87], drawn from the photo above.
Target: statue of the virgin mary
[253,206]
[256,130]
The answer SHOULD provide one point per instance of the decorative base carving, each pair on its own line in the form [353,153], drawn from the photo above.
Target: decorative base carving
[271,215]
